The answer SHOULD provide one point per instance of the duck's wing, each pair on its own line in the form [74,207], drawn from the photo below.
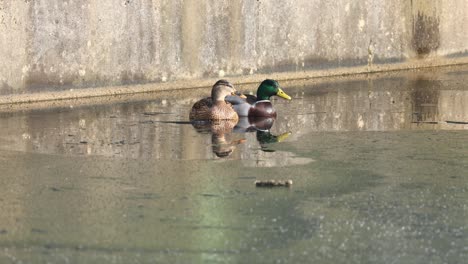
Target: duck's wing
[201,109]
[240,105]
[251,99]
[234,99]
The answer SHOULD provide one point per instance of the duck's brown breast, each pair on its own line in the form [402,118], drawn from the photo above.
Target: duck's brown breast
[263,109]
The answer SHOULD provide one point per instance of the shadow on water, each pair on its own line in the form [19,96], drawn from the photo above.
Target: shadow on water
[378,165]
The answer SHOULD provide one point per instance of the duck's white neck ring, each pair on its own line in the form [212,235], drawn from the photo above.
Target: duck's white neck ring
[262,101]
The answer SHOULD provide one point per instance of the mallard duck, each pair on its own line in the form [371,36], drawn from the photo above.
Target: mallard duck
[214,107]
[260,105]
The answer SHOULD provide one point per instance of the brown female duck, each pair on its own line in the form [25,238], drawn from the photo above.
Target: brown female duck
[214,107]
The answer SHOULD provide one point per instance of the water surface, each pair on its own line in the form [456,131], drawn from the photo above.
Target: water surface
[378,163]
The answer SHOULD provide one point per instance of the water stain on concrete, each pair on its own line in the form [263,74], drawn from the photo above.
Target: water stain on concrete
[426,34]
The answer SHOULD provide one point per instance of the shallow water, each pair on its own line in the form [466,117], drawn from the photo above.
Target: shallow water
[379,177]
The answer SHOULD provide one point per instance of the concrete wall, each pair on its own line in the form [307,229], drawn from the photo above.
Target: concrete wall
[59,44]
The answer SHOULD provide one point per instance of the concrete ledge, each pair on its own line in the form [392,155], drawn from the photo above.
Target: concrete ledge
[249,82]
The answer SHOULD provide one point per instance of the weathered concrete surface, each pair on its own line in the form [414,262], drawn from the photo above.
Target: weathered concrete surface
[55,45]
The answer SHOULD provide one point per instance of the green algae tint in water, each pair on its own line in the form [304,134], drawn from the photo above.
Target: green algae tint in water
[379,177]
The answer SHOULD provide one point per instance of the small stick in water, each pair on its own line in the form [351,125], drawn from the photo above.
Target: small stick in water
[273,183]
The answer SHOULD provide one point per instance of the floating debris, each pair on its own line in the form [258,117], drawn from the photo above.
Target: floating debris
[37,230]
[457,122]
[427,122]
[54,189]
[147,122]
[155,113]
[441,122]
[121,142]
[273,183]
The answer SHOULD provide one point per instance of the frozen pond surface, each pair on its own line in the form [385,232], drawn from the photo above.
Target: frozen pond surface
[379,176]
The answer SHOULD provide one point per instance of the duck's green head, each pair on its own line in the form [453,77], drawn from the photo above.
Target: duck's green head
[270,88]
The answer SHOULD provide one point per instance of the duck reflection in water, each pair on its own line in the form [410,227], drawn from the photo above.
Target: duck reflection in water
[261,126]
[221,135]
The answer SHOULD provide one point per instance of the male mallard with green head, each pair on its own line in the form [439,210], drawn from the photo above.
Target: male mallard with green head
[260,105]
[214,107]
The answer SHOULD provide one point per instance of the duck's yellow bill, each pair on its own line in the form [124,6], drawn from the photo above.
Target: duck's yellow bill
[283,136]
[283,94]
